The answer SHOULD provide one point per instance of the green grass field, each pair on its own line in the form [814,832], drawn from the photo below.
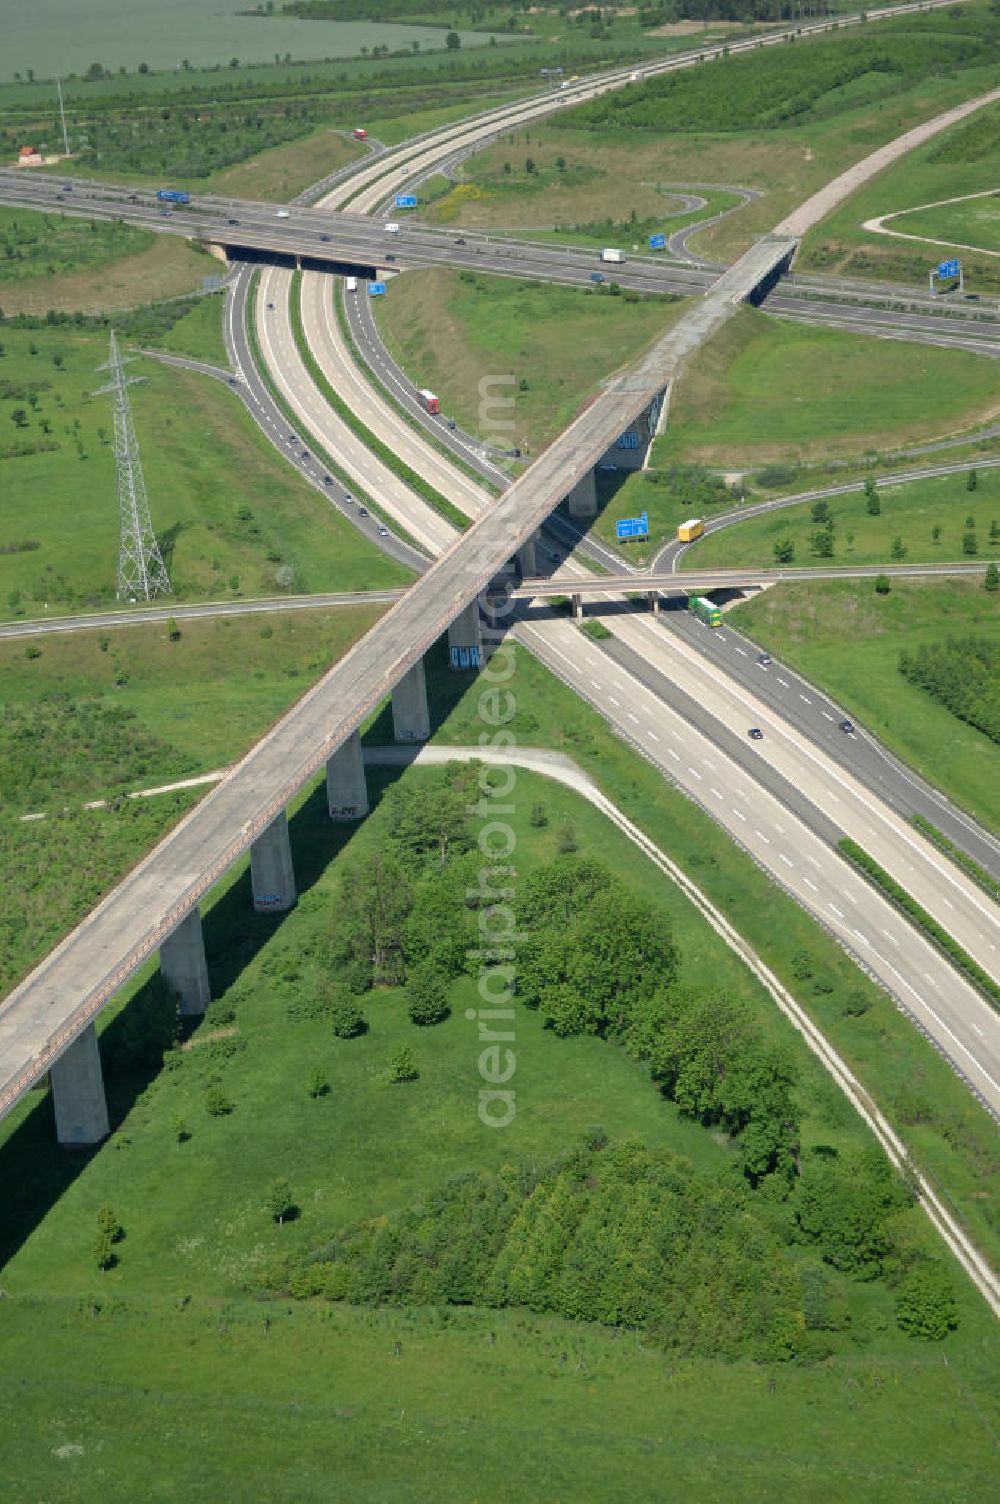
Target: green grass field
[513,360]
[228,514]
[909,513]
[970,222]
[198,333]
[45,245]
[817,628]
[964,159]
[305,1392]
[767,389]
[196,705]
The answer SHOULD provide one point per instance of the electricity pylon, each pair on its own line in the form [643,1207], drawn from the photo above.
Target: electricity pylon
[142,573]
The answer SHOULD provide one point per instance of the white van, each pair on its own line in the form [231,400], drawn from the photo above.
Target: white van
[352,284]
[392,228]
[281,213]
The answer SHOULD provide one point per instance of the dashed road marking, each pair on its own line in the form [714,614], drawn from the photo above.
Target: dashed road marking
[782,682]
[810,884]
[787,860]
[739,814]
[805,699]
[838,912]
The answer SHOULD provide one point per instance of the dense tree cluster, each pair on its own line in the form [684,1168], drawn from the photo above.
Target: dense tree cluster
[789,84]
[963,675]
[188,143]
[623,1236]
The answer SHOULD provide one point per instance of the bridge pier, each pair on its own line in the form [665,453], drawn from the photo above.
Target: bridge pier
[654,602]
[465,638]
[183,965]
[346,786]
[411,720]
[272,876]
[81,1108]
[582,500]
[527,558]
[577,607]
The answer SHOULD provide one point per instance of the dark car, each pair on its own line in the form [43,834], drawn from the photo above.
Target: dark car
[460,241]
[764,659]
[305,454]
[324,238]
[328,480]
[847,727]
[755,734]
[233,381]
[270,305]
[390,257]
[362,511]
[232,221]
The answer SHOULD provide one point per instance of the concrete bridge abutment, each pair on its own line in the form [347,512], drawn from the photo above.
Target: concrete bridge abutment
[81,1108]
[411,721]
[272,875]
[346,786]
[183,965]
[582,500]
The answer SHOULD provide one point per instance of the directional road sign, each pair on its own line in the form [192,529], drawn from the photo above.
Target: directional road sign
[632,527]
[949,268]
[375,289]
[657,242]
[406,200]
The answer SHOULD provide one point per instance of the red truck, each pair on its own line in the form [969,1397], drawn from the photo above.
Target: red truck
[359,133]
[430,402]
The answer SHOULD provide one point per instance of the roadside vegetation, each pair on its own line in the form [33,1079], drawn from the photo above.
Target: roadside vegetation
[512,360]
[766,390]
[921,522]
[230,519]
[816,628]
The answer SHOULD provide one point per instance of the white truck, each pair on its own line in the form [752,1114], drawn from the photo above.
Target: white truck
[352,284]
[610,254]
[392,228]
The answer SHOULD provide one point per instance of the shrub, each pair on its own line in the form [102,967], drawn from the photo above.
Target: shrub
[318,1084]
[427,995]
[925,1302]
[218,1103]
[347,1018]
[402,1065]
[279,1201]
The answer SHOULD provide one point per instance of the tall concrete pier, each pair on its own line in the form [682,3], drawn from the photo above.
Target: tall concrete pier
[81,1107]
[183,964]
[272,876]
[582,500]
[346,787]
[411,720]
[465,638]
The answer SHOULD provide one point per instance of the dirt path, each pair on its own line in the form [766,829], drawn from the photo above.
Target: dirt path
[878,225]
[822,203]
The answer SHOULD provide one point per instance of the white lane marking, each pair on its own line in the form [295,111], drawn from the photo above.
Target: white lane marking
[614,702]
[595,684]
[717,793]
[694,773]
[782,682]
[739,814]
[779,828]
[978,1030]
[652,736]
[863,938]
[837,911]
[890,937]
[763,837]
[805,698]
[743,651]
[673,754]
[813,860]
[827,715]
[787,860]
[632,717]
[810,884]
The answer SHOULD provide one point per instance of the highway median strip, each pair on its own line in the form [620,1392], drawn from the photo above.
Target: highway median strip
[936,933]
[968,865]
[347,481]
[377,447]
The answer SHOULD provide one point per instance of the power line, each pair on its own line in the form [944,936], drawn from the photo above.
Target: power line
[142,574]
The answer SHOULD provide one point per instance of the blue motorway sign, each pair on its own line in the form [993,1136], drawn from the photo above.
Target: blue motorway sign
[627,440]
[657,242]
[465,657]
[375,289]
[949,268]
[406,200]
[632,527]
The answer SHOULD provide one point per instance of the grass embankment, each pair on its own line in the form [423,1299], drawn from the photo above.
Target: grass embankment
[229,516]
[783,121]
[197,1227]
[765,390]
[962,160]
[818,628]
[97,715]
[970,222]
[197,334]
[281,172]
[171,266]
[513,360]
[910,513]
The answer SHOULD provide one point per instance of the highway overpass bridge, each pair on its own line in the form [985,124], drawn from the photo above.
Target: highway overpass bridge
[47,1022]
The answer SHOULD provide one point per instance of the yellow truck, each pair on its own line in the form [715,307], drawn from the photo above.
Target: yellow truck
[688,531]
